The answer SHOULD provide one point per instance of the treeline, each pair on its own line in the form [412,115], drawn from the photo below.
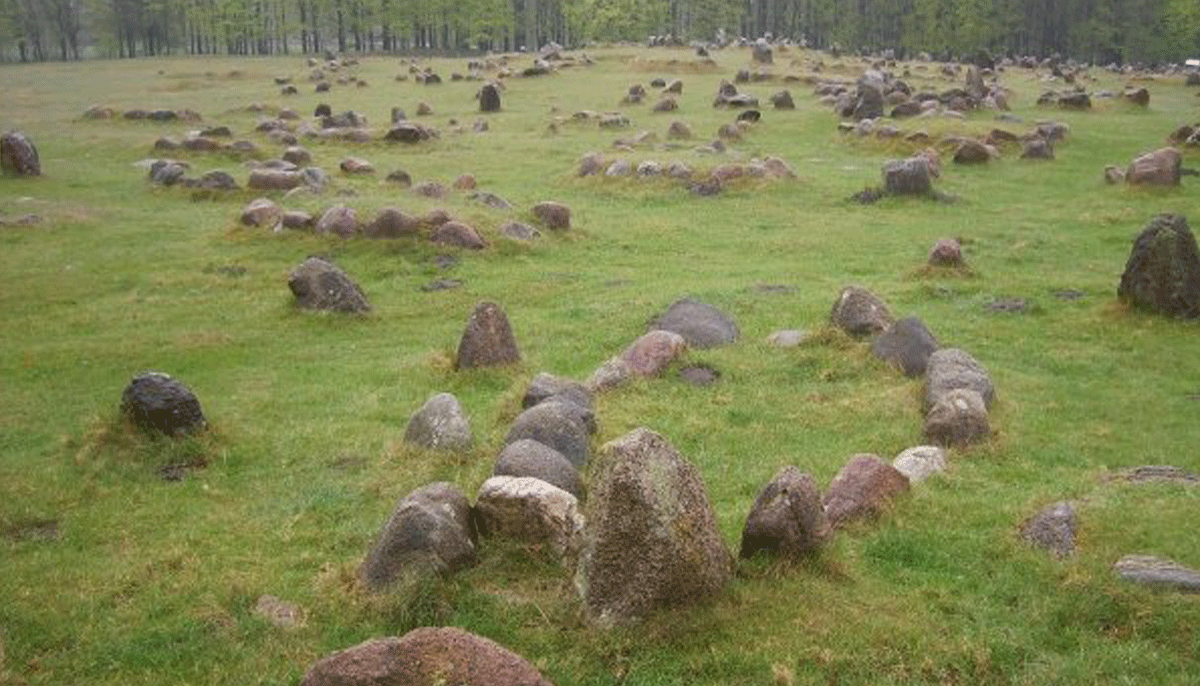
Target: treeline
[1101,31]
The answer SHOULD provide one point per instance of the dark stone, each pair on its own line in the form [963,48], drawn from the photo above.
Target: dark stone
[652,540]
[560,425]
[338,220]
[787,518]
[459,235]
[409,132]
[1075,101]
[489,98]
[1137,96]
[488,339]
[860,313]
[167,173]
[869,102]
[908,108]
[862,489]
[1163,271]
[1052,529]
[752,116]
[530,458]
[322,110]
[400,177]
[553,215]
[971,152]
[441,285]
[429,532]
[392,223]
[546,386]
[906,344]
[1037,149]
[783,101]
[908,176]
[701,325]
[952,368]
[156,402]
[1010,305]
[217,180]
[18,155]
[320,285]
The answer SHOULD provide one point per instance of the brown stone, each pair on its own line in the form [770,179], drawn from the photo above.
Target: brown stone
[862,489]
[553,215]
[487,340]
[459,235]
[651,354]
[787,519]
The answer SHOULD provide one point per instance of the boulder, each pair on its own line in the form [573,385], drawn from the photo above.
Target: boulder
[487,340]
[701,325]
[1162,273]
[430,189]
[675,86]
[860,313]
[356,165]
[545,386]
[613,373]
[972,152]
[392,223]
[1037,148]
[560,425]
[167,172]
[464,182]
[869,102]
[400,177]
[527,457]
[274,180]
[489,98]
[652,539]
[459,235]
[1075,101]
[338,220]
[409,132]
[217,180]
[591,164]
[907,345]
[762,53]
[653,352]
[909,176]
[1157,572]
[261,213]
[1158,168]
[1137,96]
[530,511]
[18,155]
[553,215]
[783,101]
[862,489]
[320,285]
[155,402]
[920,462]
[1052,529]
[679,131]
[296,219]
[949,369]
[429,656]
[959,418]
[667,104]
[429,532]
[440,424]
[787,518]
[946,252]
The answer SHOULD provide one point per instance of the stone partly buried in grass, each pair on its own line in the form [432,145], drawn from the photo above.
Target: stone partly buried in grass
[701,325]
[440,424]
[428,533]
[652,540]
[1163,271]
[321,285]
[155,402]
[860,312]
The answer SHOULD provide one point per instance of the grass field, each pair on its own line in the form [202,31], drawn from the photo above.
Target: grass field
[145,581]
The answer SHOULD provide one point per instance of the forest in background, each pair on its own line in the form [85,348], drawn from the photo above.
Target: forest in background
[1098,31]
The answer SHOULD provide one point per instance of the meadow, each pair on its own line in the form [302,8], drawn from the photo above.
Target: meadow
[110,574]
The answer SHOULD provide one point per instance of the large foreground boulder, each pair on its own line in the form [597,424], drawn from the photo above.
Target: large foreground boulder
[1163,271]
[440,424]
[700,324]
[428,533]
[155,402]
[651,539]
[787,519]
[488,339]
[429,656]
[321,285]
[862,489]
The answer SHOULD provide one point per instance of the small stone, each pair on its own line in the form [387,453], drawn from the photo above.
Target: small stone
[156,402]
[459,235]
[440,424]
[701,325]
[946,252]
[338,220]
[1052,529]
[261,213]
[860,313]
[320,285]
[788,338]
[558,425]
[921,462]
[282,614]
[700,375]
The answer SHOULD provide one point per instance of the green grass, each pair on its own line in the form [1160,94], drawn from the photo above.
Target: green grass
[153,582]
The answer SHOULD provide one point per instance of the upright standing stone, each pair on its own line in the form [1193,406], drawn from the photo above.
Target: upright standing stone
[1163,271]
[488,339]
[787,518]
[157,402]
[651,539]
[489,98]
[18,155]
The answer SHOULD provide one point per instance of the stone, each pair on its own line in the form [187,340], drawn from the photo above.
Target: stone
[436,217]
[423,108]
[1137,96]
[440,424]
[909,176]
[545,386]
[296,219]
[787,338]
[783,101]
[167,173]
[762,53]
[971,152]
[653,352]
[958,419]
[519,231]
[392,223]
[558,424]
[700,375]
[1157,572]
[787,519]
[487,340]
[667,104]
[155,402]
[675,86]
[530,511]
[338,220]
[949,369]
[18,155]
[217,180]
[1113,175]
[261,213]
[1037,148]
[619,168]
[1052,529]
[464,182]
[869,102]
[679,131]
[428,533]
[862,489]
[274,180]
[430,189]
[553,215]
[1158,168]
[946,252]
[591,164]
[920,462]
[400,177]
[278,613]
[489,98]
[1075,101]
[321,285]
[860,313]
[652,540]
[907,345]
[459,235]
[409,132]
[356,165]
[1160,473]
[527,457]
[613,373]
[778,169]
[701,325]
[1162,273]
[428,656]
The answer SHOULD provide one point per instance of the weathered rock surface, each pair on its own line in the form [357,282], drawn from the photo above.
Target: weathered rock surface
[559,424]
[18,155]
[862,489]
[261,213]
[1163,271]
[946,252]
[338,220]
[652,539]
[429,656]
[653,352]
[909,176]
[906,345]
[531,511]
[1158,168]
[321,285]
[860,313]
[920,462]
[459,235]
[489,98]
[787,518]
[440,424]
[953,368]
[429,532]
[959,418]
[1158,572]
[487,340]
[546,386]
[1052,529]
[392,223]
[156,402]
[527,457]
[701,325]
[553,215]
